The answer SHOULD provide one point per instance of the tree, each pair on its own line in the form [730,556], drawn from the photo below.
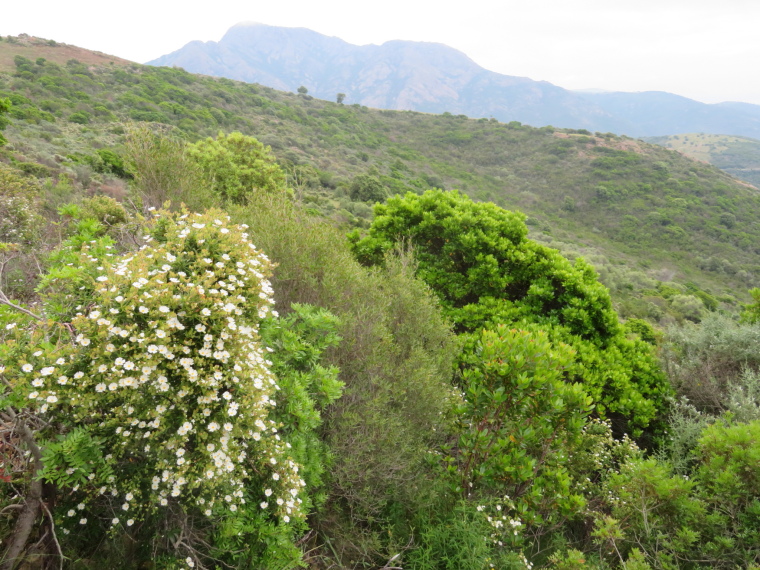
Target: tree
[302,90]
[5,107]
[478,259]
[340,98]
[751,313]
[366,188]
[237,165]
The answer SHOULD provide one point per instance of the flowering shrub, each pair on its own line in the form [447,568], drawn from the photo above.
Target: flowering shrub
[172,385]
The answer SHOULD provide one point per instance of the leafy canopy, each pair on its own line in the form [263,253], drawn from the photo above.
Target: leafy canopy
[237,165]
[478,259]
[5,106]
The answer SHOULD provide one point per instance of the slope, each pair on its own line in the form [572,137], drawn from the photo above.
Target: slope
[739,156]
[644,215]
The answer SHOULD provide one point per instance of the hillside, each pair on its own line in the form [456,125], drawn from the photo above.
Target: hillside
[644,215]
[435,78]
[52,51]
[739,156]
[215,354]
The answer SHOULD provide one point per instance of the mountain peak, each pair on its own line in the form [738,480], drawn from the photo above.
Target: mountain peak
[434,78]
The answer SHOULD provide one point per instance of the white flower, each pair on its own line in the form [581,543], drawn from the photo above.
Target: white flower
[268,492]
[51,399]
[163,309]
[264,504]
[130,522]
[83,521]
[115,521]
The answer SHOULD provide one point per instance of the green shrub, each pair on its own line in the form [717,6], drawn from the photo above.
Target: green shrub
[518,421]
[236,166]
[704,361]
[395,360]
[80,117]
[477,258]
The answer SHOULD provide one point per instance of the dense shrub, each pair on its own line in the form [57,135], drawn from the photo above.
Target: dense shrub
[165,404]
[478,259]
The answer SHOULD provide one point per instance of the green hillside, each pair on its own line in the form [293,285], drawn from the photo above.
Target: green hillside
[216,355]
[739,156]
[654,223]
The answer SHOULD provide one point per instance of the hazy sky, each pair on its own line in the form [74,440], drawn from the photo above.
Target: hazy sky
[704,49]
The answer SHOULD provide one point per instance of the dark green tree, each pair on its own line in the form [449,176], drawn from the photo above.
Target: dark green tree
[751,313]
[366,188]
[340,97]
[302,90]
[478,259]
[5,106]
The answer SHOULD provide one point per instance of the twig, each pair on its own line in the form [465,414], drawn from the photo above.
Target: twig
[55,538]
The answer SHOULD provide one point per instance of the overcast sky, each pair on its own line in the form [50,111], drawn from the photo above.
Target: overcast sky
[704,49]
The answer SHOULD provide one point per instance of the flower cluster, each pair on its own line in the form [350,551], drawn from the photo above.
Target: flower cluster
[506,527]
[170,372]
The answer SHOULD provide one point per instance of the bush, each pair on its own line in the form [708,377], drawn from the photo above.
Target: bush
[365,188]
[163,170]
[170,419]
[517,421]
[477,258]
[704,361]
[236,166]
[395,360]
[80,117]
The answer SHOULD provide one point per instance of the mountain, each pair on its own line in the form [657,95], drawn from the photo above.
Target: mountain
[657,113]
[399,75]
[434,78]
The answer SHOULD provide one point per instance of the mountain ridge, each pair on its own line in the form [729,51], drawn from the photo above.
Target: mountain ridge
[435,78]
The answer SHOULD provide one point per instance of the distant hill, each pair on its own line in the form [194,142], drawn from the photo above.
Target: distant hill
[435,78]
[52,51]
[739,156]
